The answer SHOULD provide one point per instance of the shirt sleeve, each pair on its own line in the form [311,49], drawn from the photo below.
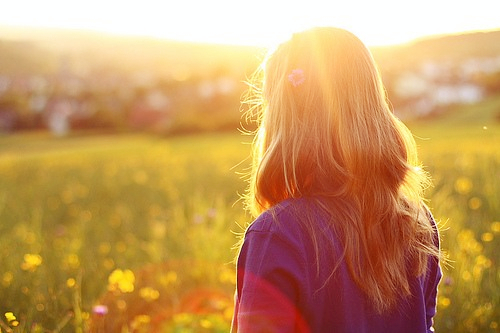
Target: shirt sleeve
[434,275]
[270,275]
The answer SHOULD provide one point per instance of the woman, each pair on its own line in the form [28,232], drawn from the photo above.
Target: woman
[342,241]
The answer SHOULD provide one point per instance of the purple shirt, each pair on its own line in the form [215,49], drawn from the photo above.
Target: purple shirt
[280,289]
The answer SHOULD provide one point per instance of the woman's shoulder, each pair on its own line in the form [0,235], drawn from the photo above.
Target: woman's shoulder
[282,217]
[434,225]
[289,219]
[283,227]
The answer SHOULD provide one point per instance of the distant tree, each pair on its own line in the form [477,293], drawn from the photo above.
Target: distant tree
[490,82]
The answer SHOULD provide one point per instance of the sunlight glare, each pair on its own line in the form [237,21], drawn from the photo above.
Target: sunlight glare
[260,22]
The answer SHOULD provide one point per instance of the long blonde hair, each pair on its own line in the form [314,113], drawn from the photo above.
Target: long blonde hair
[329,134]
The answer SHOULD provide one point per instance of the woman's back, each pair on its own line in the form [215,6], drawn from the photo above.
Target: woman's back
[284,287]
[336,181]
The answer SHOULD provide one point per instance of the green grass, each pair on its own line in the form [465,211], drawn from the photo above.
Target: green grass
[462,154]
[76,214]
[89,205]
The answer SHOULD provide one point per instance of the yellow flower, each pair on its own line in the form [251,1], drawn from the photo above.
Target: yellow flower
[182,318]
[122,280]
[169,278]
[72,261]
[31,262]
[495,226]
[7,279]
[466,276]
[487,237]
[121,305]
[104,248]
[70,282]
[85,315]
[10,316]
[475,203]
[140,320]
[205,323]
[468,243]
[483,261]
[108,263]
[121,247]
[149,294]
[11,319]
[444,302]
[463,185]
[143,319]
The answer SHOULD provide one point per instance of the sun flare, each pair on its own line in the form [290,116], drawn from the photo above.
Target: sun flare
[260,22]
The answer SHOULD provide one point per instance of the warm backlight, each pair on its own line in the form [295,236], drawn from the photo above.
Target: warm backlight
[257,22]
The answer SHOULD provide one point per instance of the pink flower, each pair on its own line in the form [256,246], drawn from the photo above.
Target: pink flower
[296,77]
[100,310]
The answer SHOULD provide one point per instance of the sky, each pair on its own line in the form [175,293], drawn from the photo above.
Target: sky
[256,22]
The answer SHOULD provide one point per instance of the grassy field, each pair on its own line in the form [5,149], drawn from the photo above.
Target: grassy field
[464,161]
[134,233]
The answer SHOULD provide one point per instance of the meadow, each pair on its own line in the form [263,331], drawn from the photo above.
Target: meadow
[135,233]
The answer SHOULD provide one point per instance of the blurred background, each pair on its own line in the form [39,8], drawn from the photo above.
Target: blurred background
[122,163]
[180,67]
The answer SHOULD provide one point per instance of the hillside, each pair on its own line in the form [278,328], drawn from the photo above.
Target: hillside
[439,48]
[126,53]
[483,114]
[16,57]
[123,82]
